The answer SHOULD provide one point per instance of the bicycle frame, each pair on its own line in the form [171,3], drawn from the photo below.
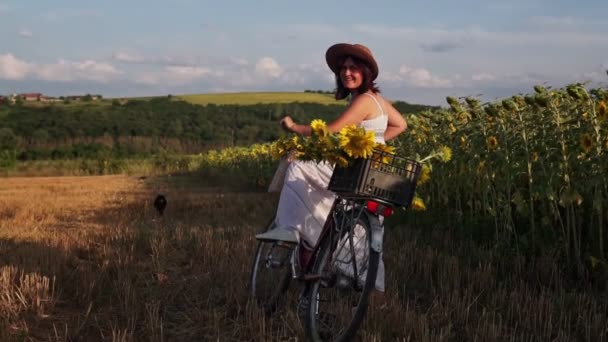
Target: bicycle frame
[339,209]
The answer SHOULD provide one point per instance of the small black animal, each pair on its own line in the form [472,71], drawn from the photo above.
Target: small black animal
[160,203]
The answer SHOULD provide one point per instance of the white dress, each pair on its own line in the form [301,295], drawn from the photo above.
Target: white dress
[305,202]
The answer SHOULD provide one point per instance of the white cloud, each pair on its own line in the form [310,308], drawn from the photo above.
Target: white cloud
[64,70]
[25,33]
[417,77]
[235,74]
[12,68]
[268,67]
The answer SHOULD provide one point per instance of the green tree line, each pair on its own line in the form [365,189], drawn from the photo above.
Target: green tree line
[147,127]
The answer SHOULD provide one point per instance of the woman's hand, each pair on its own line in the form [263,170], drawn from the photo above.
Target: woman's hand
[287,123]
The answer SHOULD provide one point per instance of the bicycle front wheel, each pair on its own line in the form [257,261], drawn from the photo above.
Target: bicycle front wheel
[338,298]
[270,273]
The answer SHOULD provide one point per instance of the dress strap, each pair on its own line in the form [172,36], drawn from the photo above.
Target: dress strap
[375,100]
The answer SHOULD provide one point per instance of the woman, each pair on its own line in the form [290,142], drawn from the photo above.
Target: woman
[304,201]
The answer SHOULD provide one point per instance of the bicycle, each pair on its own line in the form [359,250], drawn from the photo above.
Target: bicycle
[342,270]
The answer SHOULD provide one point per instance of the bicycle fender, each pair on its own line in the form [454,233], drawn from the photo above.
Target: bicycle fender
[377,232]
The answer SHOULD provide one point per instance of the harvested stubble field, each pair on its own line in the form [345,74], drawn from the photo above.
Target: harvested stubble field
[88,259]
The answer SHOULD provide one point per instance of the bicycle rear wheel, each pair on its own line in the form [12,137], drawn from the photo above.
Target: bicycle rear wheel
[338,299]
[271,273]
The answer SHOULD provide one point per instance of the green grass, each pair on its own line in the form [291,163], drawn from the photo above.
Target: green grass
[250,98]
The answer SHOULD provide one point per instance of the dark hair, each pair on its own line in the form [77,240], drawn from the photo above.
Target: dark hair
[367,83]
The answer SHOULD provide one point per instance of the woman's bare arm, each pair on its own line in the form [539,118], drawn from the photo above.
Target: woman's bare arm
[396,123]
[353,115]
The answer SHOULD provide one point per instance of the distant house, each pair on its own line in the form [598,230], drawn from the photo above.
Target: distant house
[30,96]
[49,99]
[2,99]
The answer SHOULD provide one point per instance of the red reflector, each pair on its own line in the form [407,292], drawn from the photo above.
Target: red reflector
[373,206]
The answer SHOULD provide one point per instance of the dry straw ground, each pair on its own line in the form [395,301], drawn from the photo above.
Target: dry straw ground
[88,258]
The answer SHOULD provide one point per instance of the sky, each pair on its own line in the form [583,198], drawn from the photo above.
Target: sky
[426,50]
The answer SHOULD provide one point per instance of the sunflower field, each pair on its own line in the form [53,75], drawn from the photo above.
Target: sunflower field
[530,171]
[526,173]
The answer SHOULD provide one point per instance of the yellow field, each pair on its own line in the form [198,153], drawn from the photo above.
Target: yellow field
[259,97]
[88,258]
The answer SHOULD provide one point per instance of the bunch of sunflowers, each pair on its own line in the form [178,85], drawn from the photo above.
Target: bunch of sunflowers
[340,148]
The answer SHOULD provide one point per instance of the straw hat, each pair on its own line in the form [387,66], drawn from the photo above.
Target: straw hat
[336,52]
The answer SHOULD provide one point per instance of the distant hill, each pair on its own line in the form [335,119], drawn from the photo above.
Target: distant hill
[251,98]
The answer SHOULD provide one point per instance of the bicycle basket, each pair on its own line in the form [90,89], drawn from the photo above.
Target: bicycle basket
[384,177]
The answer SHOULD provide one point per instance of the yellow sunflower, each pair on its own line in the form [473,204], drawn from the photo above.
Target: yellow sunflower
[425,174]
[294,143]
[418,204]
[587,143]
[280,148]
[319,128]
[386,150]
[445,153]
[492,142]
[356,142]
[337,160]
